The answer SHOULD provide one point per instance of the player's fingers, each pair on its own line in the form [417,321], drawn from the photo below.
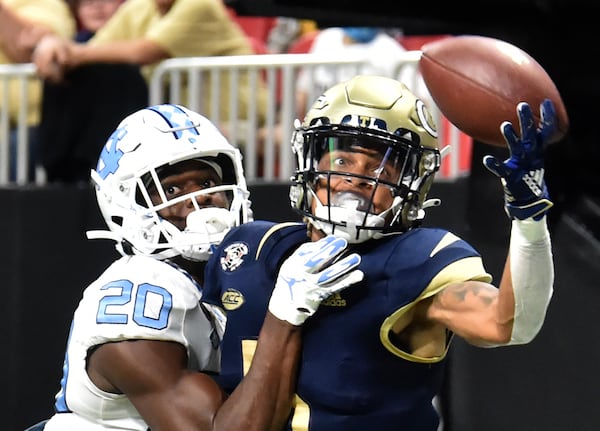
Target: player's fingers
[492,164]
[526,122]
[343,282]
[338,269]
[324,252]
[548,120]
[511,138]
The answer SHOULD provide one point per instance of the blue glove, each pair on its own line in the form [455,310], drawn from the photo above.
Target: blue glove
[522,174]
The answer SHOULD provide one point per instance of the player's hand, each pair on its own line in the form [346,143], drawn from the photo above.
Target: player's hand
[522,174]
[309,276]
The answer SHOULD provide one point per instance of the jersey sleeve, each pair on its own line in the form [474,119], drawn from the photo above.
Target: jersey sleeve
[422,264]
[138,298]
[454,260]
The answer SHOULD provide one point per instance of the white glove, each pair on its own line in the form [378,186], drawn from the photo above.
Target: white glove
[309,276]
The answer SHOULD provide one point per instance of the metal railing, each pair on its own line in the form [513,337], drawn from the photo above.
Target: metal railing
[279,73]
[275,74]
[17,76]
[264,140]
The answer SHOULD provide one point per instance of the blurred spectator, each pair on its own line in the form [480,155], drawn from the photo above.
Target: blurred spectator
[379,49]
[91,105]
[256,28]
[145,32]
[79,113]
[23,23]
[286,32]
[91,15]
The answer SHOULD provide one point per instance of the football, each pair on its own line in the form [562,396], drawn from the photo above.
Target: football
[478,81]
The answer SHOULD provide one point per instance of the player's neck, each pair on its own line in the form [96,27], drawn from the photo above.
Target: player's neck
[194,269]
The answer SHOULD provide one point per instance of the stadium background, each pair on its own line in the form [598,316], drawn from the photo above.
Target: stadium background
[551,384]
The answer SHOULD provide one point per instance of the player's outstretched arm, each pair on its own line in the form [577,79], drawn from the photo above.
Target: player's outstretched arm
[527,282]
[310,275]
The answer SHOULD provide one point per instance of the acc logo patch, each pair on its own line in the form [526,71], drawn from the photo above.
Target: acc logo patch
[232,299]
[234,256]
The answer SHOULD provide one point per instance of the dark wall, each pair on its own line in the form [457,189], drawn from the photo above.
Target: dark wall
[46,262]
[551,384]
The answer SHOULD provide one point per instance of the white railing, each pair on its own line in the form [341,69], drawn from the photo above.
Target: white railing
[182,80]
[280,72]
[19,75]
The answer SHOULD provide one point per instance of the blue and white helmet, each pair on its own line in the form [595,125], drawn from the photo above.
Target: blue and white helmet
[144,142]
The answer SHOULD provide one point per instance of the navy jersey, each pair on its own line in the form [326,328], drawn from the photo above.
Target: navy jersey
[352,375]
[240,277]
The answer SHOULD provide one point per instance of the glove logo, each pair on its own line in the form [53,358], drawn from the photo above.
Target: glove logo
[335,300]
[234,256]
[533,180]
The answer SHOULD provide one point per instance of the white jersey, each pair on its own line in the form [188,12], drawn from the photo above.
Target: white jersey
[136,297]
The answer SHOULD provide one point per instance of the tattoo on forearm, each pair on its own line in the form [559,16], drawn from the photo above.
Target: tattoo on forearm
[474,290]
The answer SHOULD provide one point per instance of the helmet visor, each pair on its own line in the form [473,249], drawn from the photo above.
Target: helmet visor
[380,159]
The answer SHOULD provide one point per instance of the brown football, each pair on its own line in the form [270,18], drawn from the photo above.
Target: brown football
[478,81]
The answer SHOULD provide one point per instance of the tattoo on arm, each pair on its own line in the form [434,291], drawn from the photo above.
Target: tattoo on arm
[462,292]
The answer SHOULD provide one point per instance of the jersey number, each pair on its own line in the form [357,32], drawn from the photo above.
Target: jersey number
[151,304]
[301,413]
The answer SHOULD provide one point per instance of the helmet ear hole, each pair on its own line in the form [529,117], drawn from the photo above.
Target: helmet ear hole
[139,195]
[227,167]
[127,247]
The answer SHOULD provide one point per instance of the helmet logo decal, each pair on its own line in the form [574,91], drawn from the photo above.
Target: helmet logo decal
[234,256]
[108,162]
[426,119]
[364,121]
[178,121]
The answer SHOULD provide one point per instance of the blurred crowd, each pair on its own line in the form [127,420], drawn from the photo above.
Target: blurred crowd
[83,48]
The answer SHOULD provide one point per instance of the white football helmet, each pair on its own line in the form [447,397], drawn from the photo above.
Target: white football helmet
[129,163]
[366,114]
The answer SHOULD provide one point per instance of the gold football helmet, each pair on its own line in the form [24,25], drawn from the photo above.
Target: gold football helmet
[367,154]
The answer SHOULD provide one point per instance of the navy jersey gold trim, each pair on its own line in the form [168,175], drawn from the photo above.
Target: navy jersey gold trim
[245,289]
[352,377]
